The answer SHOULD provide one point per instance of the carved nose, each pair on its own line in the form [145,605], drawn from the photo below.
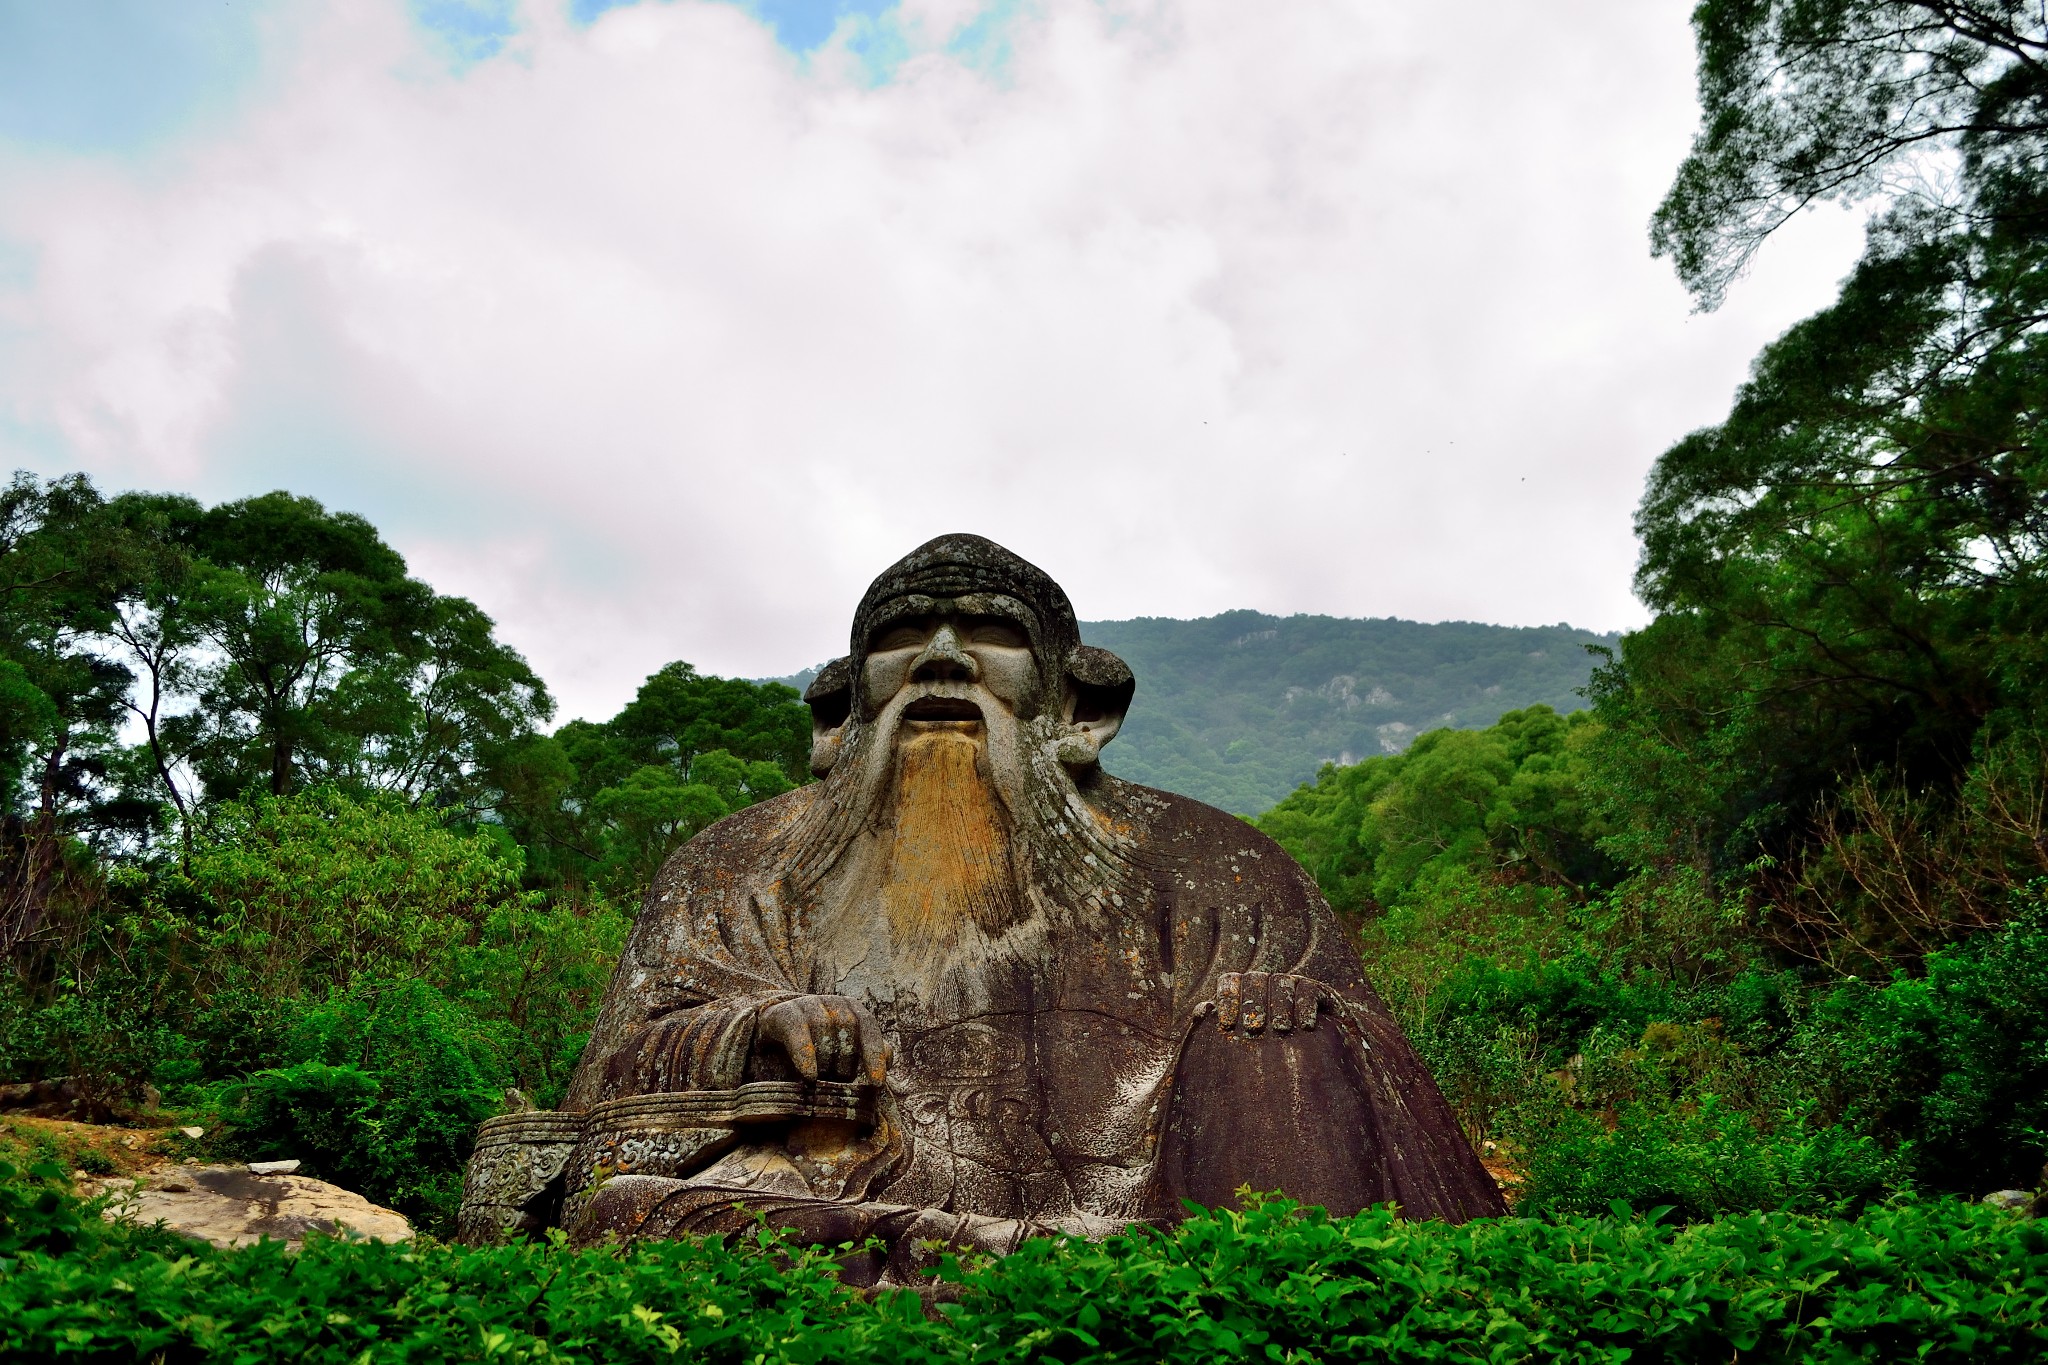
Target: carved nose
[942,661]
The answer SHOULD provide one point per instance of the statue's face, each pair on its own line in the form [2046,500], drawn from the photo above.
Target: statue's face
[950,666]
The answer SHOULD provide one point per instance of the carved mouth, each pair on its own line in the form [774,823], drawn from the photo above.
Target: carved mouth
[942,708]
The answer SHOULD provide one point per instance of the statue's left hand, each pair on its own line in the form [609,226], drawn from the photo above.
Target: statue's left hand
[827,1037]
[1253,1002]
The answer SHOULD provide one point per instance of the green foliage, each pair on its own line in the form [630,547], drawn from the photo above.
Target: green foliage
[1609,1076]
[1955,1061]
[1701,1160]
[310,658]
[395,1127]
[1936,1281]
[324,1115]
[1512,798]
[37,1212]
[1806,100]
[533,976]
[325,930]
[290,895]
[1849,570]
[1240,708]
[604,804]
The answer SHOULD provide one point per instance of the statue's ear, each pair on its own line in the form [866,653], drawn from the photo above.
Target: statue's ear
[1098,693]
[830,697]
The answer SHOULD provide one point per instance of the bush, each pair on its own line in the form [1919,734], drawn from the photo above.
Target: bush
[388,1085]
[1954,1062]
[1938,1282]
[324,1115]
[1697,1161]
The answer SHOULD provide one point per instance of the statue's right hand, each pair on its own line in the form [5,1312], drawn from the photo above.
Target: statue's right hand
[827,1037]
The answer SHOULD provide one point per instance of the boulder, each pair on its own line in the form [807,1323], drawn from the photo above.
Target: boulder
[232,1206]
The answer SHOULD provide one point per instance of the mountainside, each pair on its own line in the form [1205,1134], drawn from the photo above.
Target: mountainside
[1239,709]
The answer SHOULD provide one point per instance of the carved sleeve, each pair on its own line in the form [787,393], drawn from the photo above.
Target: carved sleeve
[705,1047]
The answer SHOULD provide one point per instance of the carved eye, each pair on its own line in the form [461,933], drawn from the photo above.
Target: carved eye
[905,636]
[994,631]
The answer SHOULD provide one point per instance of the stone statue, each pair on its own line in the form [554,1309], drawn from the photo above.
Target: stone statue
[968,988]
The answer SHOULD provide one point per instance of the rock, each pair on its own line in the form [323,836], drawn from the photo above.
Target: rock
[274,1167]
[194,1133]
[132,1143]
[232,1206]
[2009,1199]
[58,1097]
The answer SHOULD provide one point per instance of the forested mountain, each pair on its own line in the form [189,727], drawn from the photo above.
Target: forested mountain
[1240,709]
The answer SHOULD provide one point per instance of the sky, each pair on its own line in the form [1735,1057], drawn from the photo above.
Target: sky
[658,329]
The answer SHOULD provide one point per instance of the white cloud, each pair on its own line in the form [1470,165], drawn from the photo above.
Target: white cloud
[659,341]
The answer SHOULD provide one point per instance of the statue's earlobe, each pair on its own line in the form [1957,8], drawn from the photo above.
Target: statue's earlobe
[830,697]
[1098,694]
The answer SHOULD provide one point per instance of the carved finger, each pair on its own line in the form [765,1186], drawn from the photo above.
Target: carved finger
[845,1047]
[784,1024]
[1228,992]
[1308,998]
[874,1047]
[1252,1012]
[824,1053]
[1280,998]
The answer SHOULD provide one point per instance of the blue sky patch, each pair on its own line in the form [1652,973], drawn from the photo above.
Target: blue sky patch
[800,25]
[120,75]
[468,30]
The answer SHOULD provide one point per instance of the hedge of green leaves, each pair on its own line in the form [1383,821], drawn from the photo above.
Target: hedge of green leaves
[1933,1281]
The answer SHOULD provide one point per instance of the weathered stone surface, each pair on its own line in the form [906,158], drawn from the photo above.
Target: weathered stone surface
[968,988]
[233,1206]
[59,1097]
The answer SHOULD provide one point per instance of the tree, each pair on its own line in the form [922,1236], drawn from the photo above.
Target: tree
[1849,571]
[679,714]
[607,802]
[1508,802]
[284,646]
[64,568]
[1941,105]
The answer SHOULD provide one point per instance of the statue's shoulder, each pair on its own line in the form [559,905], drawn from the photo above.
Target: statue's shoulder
[739,840]
[1176,829]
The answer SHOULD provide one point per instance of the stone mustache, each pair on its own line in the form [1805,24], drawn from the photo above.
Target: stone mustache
[968,988]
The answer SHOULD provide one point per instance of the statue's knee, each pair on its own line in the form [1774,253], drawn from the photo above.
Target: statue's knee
[1272,1112]
[620,1207]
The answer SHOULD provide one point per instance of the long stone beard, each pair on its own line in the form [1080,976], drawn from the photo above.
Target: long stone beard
[949,869]
[969,847]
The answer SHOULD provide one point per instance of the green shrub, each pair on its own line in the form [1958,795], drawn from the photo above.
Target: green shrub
[324,1115]
[1939,1282]
[36,1214]
[1699,1160]
[1954,1062]
[389,1083]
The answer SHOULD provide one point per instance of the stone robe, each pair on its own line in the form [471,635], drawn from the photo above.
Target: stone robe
[1057,1072]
